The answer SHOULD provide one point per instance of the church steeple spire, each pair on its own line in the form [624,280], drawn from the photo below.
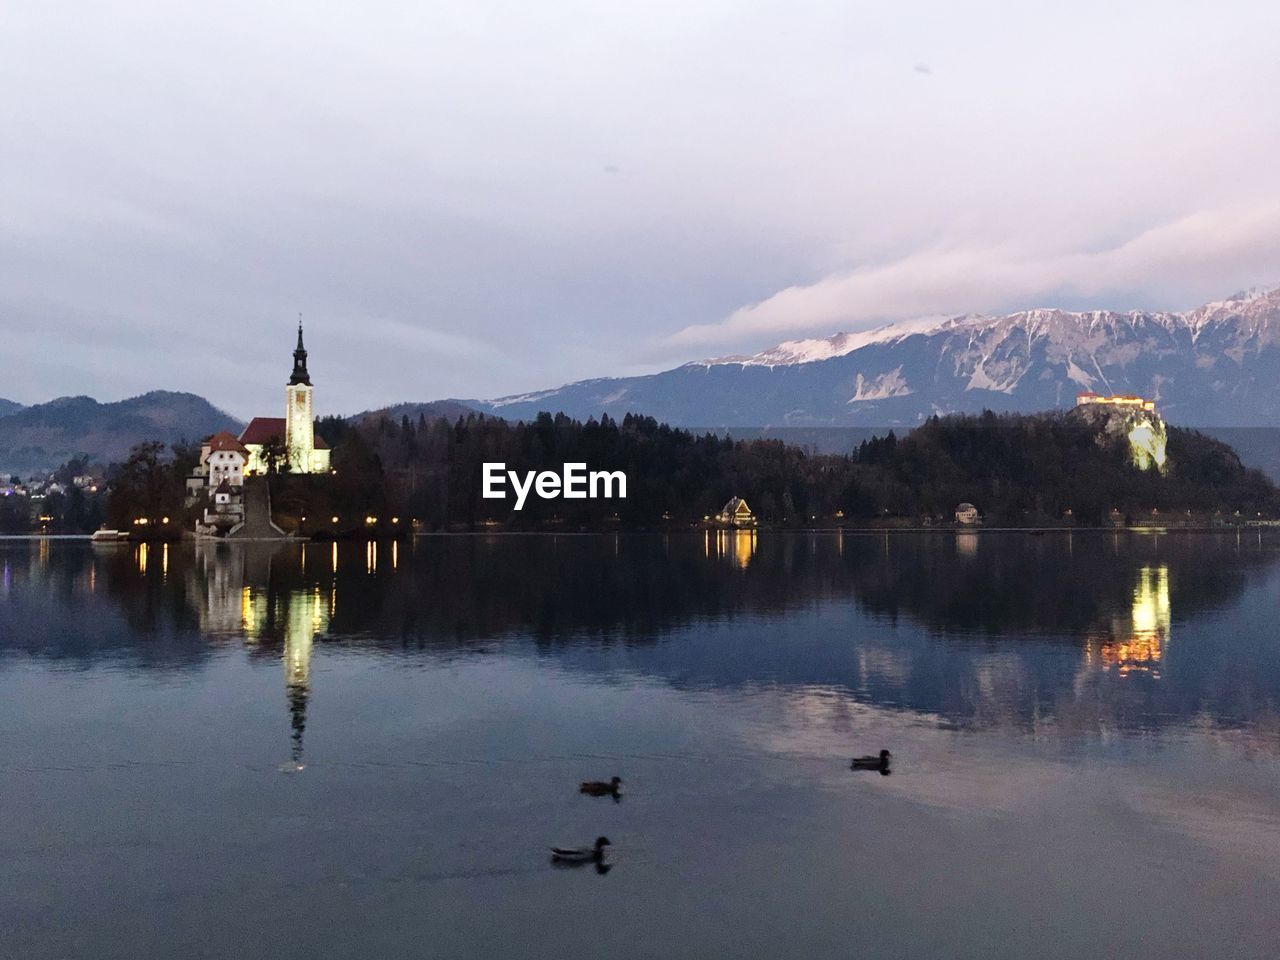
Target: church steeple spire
[300,374]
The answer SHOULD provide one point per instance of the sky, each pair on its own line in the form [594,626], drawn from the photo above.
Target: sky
[472,199]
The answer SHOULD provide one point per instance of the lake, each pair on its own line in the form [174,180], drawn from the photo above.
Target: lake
[365,750]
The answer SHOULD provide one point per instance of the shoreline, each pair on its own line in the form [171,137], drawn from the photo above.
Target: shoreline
[855,531]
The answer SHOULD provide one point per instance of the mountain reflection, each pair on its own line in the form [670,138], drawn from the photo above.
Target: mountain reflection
[978,629]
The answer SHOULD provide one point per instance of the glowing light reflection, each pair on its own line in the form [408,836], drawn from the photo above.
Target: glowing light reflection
[1138,643]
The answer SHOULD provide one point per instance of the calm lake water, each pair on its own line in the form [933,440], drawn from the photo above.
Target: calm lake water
[364,751]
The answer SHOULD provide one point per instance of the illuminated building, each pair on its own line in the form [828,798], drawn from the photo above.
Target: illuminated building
[1122,400]
[736,513]
[293,435]
[1134,420]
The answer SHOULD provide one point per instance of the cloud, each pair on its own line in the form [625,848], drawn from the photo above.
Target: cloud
[546,197]
[1197,257]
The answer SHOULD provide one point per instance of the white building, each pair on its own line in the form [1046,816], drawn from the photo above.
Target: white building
[1121,400]
[224,510]
[224,458]
[967,514]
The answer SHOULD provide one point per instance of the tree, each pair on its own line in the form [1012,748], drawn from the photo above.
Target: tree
[15,514]
[276,456]
[75,467]
[145,487]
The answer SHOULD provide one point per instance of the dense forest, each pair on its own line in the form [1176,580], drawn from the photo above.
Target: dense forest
[1018,469]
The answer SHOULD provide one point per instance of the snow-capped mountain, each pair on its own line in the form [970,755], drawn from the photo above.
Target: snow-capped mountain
[1218,364]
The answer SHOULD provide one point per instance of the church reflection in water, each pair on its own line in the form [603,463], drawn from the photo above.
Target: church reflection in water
[239,600]
[1136,640]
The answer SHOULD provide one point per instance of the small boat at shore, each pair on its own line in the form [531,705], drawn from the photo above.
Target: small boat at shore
[104,535]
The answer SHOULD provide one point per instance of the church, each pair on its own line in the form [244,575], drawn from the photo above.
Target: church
[291,436]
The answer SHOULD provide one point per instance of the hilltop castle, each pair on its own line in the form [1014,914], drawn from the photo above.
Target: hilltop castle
[1134,420]
[1123,400]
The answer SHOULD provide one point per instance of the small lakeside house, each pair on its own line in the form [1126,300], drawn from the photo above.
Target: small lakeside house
[736,513]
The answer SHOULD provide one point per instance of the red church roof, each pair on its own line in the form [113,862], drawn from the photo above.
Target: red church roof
[225,441]
[262,429]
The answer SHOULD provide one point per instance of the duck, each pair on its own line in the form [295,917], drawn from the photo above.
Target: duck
[601,788]
[580,855]
[880,763]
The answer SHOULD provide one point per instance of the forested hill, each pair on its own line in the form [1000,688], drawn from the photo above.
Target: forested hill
[37,439]
[1017,469]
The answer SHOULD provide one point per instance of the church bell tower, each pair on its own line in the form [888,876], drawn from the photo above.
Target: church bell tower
[299,423]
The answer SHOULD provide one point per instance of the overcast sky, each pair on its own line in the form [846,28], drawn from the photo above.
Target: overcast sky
[472,199]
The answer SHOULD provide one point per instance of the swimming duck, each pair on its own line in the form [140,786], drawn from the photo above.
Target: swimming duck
[599,788]
[880,763]
[580,855]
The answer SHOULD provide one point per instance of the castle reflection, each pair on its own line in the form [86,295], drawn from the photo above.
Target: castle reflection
[1136,642]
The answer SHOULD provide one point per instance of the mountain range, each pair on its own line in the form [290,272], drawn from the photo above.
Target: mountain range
[1215,366]
[40,437]
[1218,364]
